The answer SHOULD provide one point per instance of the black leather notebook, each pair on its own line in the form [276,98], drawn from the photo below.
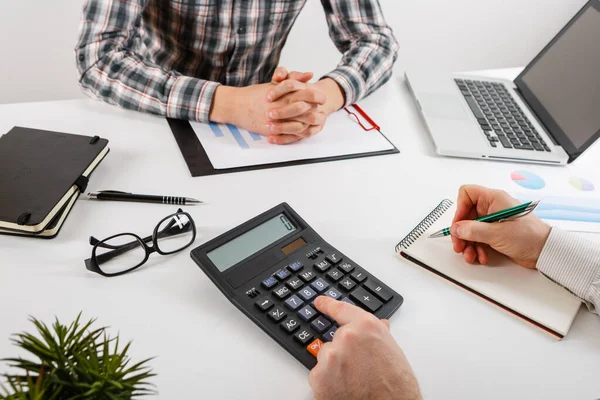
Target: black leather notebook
[40,174]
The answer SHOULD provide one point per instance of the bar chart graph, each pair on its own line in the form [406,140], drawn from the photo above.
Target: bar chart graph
[239,135]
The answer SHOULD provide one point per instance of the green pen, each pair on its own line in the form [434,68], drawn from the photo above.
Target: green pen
[500,216]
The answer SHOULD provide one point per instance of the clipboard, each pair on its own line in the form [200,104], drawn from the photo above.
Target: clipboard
[199,163]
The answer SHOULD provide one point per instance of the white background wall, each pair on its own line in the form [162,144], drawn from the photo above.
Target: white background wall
[37,38]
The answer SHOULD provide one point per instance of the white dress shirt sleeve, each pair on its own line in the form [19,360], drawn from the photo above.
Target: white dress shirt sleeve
[574,263]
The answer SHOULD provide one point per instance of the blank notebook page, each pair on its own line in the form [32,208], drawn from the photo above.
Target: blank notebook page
[523,290]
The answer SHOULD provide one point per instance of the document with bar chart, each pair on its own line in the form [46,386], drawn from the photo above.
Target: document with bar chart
[228,146]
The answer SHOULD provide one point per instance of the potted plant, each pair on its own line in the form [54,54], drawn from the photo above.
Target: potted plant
[74,362]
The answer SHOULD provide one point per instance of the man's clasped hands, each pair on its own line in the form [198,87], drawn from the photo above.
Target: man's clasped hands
[286,110]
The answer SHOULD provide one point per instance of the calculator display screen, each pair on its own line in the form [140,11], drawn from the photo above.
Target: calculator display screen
[256,239]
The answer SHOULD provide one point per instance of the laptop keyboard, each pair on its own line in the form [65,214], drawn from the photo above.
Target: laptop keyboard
[500,117]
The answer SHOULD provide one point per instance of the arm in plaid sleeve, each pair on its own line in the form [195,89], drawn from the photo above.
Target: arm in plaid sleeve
[109,68]
[574,263]
[369,47]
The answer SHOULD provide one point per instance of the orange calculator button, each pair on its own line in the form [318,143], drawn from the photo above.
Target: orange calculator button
[314,347]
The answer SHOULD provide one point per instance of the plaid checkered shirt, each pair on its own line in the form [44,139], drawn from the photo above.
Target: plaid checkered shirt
[167,57]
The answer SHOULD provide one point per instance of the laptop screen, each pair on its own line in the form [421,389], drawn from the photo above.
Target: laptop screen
[562,85]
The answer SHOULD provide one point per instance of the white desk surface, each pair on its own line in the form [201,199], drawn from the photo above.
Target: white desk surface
[460,347]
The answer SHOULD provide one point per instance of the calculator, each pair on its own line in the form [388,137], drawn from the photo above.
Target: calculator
[272,268]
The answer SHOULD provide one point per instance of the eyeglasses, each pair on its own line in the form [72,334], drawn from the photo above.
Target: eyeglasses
[122,253]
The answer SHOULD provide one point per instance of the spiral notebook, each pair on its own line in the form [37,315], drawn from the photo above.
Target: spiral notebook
[524,293]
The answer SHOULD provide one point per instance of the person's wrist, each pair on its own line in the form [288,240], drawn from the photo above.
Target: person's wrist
[224,104]
[333,92]
[542,232]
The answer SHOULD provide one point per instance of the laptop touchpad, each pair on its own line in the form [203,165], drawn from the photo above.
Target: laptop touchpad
[445,106]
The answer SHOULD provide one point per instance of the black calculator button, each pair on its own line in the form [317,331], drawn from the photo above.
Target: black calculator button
[347,300]
[335,275]
[307,276]
[366,299]
[319,285]
[307,313]
[346,267]
[378,290]
[293,302]
[277,314]
[282,274]
[294,283]
[334,258]
[282,292]
[322,265]
[264,304]
[321,324]
[296,266]
[303,336]
[269,282]
[328,336]
[347,284]
[290,325]
[359,275]
[307,293]
[333,293]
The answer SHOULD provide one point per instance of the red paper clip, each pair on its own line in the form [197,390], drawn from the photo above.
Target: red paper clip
[373,127]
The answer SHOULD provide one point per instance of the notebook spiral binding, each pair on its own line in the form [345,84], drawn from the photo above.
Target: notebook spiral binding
[424,225]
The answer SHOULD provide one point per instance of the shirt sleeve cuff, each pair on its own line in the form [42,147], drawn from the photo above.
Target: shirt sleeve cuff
[351,82]
[572,262]
[191,99]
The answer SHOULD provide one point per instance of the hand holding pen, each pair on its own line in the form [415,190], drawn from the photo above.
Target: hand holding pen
[521,239]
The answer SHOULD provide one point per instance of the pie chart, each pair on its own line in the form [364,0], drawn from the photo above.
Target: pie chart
[527,180]
[581,184]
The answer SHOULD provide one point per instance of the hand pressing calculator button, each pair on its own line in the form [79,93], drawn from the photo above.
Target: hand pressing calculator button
[274,266]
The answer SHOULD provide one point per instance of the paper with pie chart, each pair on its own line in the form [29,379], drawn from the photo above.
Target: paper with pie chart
[568,201]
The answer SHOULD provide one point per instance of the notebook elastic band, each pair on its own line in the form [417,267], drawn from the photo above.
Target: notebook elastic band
[82,183]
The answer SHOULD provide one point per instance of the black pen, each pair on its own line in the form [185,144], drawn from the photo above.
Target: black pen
[142,198]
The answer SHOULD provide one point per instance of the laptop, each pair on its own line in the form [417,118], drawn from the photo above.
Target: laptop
[550,114]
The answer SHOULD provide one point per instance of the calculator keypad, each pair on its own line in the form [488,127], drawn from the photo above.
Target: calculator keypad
[282,292]
[366,299]
[347,284]
[328,336]
[319,285]
[307,313]
[322,265]
[303,336]
[264,304]
[290,325]
[335,275]
[294,287]
[315,347]
[269,282]
[277,314]
[320,324]
[307,293]
[294,302]
[307,276]
[294,283]
[282,274]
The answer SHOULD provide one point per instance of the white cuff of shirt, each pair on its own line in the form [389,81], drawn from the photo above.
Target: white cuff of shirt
[571,261]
